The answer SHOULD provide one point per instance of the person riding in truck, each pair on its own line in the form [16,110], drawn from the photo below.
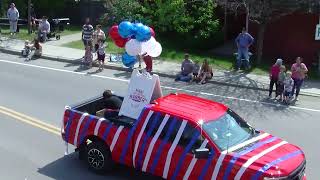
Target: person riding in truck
[112,104]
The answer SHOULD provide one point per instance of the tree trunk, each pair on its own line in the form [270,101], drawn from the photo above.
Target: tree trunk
[29,16]
[225,28]
[262,28]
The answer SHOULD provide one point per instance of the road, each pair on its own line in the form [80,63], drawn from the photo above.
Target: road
[42,88]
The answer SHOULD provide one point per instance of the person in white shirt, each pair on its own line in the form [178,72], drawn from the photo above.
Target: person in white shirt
[44,29]
[13,16]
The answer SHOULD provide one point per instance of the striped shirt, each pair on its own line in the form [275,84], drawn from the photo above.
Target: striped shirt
[87,32]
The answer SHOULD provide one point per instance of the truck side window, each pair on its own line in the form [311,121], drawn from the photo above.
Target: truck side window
[188,134]
[175,125]
[154,123]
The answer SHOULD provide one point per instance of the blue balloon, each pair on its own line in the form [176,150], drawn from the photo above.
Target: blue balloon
[126,29]
[143,33]
[128,60]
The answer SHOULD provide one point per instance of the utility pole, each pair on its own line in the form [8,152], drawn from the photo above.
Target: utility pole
[29,16]
[247,18]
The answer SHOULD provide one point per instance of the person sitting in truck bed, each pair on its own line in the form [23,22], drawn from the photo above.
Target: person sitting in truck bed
[112,104]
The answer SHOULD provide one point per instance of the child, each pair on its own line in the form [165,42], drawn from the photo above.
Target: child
[280,83]
[88,57]
[288,85]
[26,50]
[196,69]
[35,49]
[101,54]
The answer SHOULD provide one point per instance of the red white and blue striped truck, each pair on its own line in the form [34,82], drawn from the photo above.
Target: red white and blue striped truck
[180,136]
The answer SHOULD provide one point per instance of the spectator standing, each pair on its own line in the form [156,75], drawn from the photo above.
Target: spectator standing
[299,71]
[98,35]
[205,72]
[88,57]
[186,70]
[288,86]
[44,29]
[101,52]
[13,16]
[148,61]
[274,75]
[243,41]
[281,78]
[87,33]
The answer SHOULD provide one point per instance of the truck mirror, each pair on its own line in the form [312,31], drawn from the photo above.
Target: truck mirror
[202,153]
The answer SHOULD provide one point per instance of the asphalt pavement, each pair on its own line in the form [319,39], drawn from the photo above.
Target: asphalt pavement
[31,153]
[42,88]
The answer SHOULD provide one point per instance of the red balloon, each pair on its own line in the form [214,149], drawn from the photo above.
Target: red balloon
[120,42]
[152,32]
[114,34]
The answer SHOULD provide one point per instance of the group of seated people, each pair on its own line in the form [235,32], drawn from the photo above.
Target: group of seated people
[34,48]
[191,71]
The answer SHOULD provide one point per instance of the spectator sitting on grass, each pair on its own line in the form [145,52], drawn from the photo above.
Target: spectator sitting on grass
[205,72]
[36,49]
[44,29]
[186,70]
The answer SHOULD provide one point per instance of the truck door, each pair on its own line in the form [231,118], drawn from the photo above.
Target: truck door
[166,148]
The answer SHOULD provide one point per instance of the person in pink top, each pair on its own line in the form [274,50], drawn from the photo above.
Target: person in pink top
[274,74]
[299,71]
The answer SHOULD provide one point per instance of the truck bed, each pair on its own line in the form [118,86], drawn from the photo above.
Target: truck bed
[81,122]
[95,105]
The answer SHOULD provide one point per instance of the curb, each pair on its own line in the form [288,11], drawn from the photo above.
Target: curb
[119,68]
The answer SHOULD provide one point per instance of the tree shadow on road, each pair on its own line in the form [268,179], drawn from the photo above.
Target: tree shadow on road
[124,74]
[70,167]
[76,62]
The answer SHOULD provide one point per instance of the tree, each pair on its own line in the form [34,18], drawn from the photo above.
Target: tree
[195,17]
[265,11]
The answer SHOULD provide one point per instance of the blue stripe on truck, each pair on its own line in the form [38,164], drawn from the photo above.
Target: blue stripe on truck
[126,145]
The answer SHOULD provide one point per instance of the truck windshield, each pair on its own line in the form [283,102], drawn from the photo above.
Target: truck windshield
[229,130]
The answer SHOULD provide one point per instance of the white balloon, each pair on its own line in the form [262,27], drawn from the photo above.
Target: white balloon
[133,47]
[147,45]
[155,50]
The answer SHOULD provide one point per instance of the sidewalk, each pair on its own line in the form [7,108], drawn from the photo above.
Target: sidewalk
[52,50]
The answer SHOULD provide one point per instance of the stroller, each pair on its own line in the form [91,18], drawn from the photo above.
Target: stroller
[57,26]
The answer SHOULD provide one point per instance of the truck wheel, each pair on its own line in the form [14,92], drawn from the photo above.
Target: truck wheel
[99,157]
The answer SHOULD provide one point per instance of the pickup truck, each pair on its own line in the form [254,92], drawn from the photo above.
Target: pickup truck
[180,136]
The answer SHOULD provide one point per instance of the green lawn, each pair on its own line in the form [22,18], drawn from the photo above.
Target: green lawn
[171,54]
[112,48]
[23,33]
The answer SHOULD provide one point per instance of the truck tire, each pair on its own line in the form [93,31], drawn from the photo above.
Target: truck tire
[98,157]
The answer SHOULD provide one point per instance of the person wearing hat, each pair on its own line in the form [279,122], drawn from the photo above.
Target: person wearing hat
[274,75]
[13,16]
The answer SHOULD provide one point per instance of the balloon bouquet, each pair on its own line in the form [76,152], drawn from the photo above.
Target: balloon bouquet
[137,39]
